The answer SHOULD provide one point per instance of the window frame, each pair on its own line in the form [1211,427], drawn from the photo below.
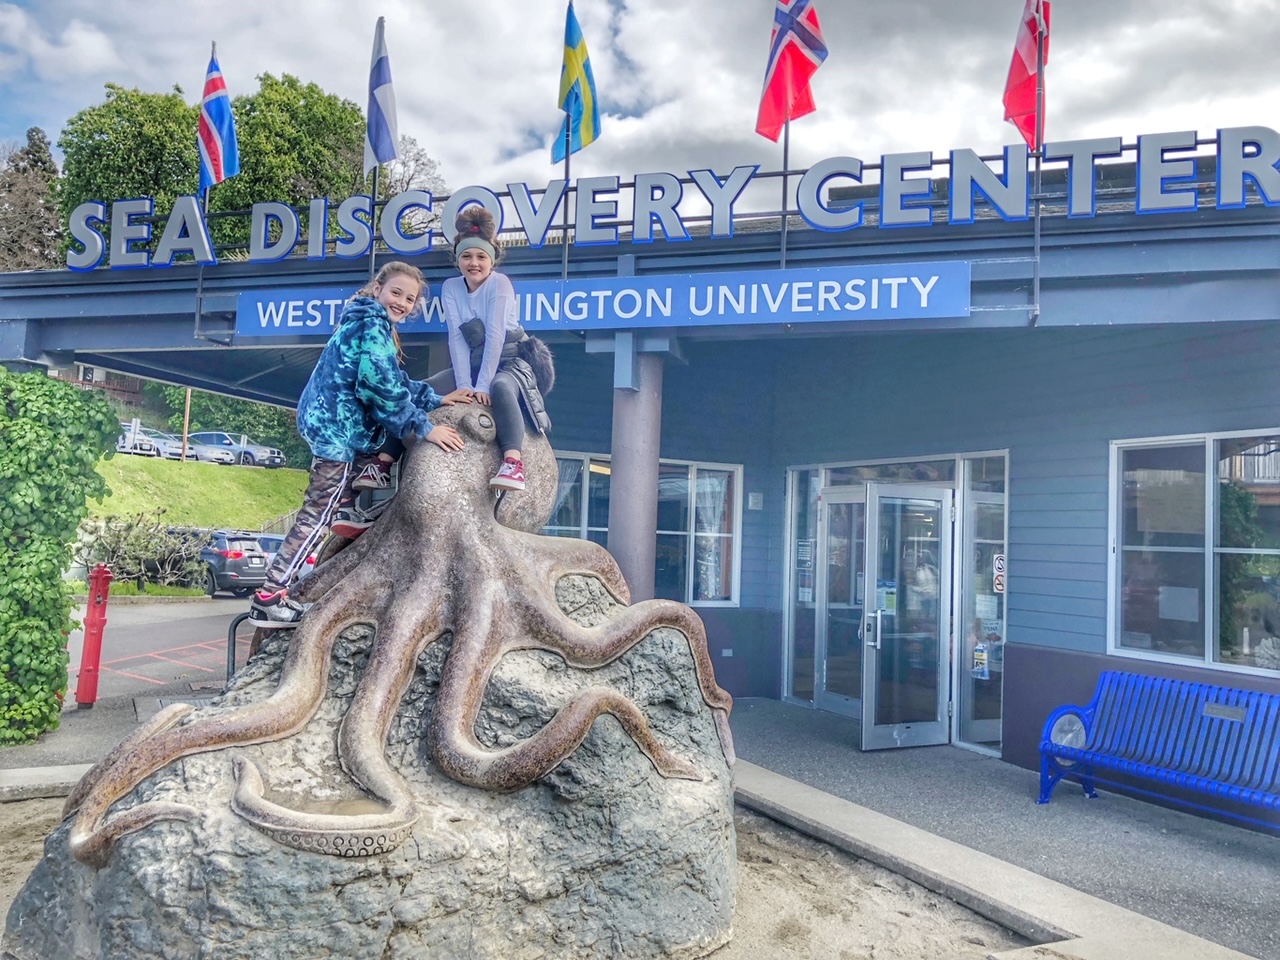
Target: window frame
[1209,552]
[691,534]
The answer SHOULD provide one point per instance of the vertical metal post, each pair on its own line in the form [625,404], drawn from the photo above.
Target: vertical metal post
[568,144]
[1036,182]
[186,424]
[373,223]
[204,212]
[786,162]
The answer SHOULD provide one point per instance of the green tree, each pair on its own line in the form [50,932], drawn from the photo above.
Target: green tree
[133,144]
[296,143]
[51,439]
[30,230]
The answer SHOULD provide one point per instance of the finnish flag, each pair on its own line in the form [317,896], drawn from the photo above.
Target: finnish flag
[381,137]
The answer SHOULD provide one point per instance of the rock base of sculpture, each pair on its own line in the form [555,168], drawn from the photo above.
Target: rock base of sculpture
[602,857]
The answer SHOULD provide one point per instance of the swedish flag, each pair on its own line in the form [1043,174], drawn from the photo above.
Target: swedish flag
[577,92]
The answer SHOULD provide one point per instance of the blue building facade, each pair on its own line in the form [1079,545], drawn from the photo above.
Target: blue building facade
[942,525]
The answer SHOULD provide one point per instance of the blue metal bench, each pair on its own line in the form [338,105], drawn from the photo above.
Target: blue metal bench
[1203,740]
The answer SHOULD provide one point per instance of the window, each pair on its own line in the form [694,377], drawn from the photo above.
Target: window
[699,523]
[1198,564]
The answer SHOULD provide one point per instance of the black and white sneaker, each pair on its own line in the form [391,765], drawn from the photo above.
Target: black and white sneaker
[274,611]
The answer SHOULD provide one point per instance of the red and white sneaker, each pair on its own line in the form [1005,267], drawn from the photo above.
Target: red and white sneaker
[374,476]
[349,523]
[510,475]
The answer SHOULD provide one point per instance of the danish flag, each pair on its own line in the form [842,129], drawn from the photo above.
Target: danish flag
[216,139]
[795,53]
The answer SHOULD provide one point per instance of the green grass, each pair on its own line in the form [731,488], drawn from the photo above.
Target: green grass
[198,494]
[127,588]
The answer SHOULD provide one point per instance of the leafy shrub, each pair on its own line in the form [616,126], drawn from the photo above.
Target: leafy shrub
[51,438]
[142,549]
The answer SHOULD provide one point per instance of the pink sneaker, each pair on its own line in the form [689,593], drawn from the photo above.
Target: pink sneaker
[510,475]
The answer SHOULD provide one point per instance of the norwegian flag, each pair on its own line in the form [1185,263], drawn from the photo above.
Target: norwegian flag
[1020,107]
[216,136]
[795,53]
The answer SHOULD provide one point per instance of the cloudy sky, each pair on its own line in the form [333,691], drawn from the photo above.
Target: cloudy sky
[679,80]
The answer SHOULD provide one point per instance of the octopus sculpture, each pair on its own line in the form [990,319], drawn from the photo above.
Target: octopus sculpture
[443,559]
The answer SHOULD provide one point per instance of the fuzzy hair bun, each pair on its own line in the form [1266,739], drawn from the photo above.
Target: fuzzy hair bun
[476,221]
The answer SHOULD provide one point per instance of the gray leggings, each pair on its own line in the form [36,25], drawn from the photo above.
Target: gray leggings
[504,394]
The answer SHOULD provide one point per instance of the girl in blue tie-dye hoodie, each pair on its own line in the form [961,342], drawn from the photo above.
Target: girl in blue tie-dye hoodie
[358,397]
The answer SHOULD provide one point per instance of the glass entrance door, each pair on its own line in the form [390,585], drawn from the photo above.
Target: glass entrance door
[907,627]
[841,593]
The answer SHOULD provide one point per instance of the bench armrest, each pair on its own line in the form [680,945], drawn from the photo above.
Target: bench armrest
[1068,725]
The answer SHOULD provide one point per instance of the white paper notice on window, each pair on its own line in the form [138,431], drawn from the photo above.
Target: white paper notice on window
[1171,508]
[986,607]
[1180,603]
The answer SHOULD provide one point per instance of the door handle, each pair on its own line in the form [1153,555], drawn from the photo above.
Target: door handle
[875,632]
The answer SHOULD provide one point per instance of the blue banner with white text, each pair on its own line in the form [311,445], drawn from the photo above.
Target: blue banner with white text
[895,291]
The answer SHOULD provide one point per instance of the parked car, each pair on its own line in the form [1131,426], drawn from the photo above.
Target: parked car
[248,453]
[170,447]
[235,561]
[136,442]
[270,543]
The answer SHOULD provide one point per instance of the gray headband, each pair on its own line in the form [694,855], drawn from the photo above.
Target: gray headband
[475,243]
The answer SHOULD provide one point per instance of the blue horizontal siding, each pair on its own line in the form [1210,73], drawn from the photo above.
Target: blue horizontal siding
[1054,398]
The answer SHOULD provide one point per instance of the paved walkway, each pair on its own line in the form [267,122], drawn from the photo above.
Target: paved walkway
[1216,881]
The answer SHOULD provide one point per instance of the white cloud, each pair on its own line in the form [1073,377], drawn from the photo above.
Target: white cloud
[679,82]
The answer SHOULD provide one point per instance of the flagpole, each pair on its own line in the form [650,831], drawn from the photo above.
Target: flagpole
[373,222]
[786,162]
[568,144]
[1035,267]
[204,212]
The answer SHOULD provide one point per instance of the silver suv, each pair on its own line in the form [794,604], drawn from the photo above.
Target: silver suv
[244,449]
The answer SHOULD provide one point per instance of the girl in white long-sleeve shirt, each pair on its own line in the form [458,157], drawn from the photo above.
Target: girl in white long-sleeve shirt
[491,355]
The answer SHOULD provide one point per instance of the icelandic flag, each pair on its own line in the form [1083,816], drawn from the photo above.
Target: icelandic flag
[1020,107]
[796,50]
[216,134]
[381,139]
[577,92]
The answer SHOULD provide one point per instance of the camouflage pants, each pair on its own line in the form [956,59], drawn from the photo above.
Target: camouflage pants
[330,485]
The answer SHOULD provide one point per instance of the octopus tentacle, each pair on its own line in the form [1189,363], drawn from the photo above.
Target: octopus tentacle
[162,720]
[590,647]
[362,741]
[553,558]
[451,739]
[345,835]
[333,571]
[457,752]
[303,680]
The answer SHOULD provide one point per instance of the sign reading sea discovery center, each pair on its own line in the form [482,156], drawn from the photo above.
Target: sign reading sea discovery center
[1166,183]
[904,291]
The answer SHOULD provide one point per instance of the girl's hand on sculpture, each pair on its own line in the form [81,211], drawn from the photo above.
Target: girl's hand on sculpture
[461,395]
[481,398]
[445,437]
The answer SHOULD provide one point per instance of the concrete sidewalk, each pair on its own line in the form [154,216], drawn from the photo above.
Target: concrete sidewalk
[1216,881]
[1064,922]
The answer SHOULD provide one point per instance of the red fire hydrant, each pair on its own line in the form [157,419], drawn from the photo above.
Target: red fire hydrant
[95,619]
